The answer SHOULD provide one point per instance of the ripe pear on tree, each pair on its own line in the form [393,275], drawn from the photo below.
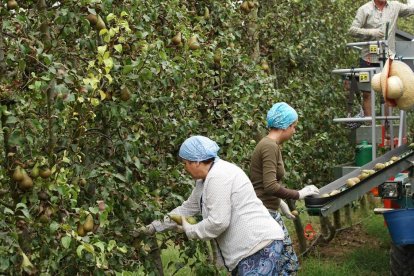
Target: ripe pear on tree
[45,172]
[245,7]
[177,39]
[100,24]
[265,66]
[35,171]
[12,5]
[125,94]
[18,174]
[92,18]
[193,43]
[26,183]
[80,230]
[88,225]
[206,13]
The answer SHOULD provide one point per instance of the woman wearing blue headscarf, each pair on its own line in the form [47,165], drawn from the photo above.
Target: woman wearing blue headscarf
[267,171]
[248,239]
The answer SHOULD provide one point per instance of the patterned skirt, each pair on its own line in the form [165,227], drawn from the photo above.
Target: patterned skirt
[267,261]
[290,260]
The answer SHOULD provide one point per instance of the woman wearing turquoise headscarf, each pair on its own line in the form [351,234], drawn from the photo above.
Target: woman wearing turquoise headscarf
[248,239]
[267,171]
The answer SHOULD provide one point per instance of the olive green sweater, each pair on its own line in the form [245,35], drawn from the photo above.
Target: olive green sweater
[266,173]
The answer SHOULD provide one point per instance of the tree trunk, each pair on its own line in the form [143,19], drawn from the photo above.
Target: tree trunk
[253,34]
[156,257]
[298,227]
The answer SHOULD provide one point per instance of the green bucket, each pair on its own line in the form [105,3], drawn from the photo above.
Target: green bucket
[363,153]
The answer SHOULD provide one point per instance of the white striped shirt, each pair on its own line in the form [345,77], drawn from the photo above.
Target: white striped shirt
[232,213]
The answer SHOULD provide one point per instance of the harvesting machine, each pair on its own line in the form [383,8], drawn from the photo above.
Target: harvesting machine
[390,175]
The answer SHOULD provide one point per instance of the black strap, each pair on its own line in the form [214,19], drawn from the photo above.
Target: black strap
[353,89]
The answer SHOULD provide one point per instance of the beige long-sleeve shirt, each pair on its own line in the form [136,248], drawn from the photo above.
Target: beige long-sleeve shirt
[232,214]
[369,17]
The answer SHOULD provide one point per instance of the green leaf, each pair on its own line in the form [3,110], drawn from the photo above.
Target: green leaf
[110,17]
[89,247]
[94,210]
[120,177]
[122,249]
[111,245]
[54,226]
[8,211]
[100,245]
[102,50]
[79,250]
[127,68]
[66,240]
[118,48]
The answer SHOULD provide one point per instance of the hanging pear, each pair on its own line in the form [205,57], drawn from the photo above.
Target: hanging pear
[100,24]
[26,183]
[88,225]
[45,172]
[217,57]
[12,5]
[18,174]
[245,7]
[80,230]
[206,13]
[177,38]
[35,171]
[265,66]
[193,43]
[92,18]
[125,94]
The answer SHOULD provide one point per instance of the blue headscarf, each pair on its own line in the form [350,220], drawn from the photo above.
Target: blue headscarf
[281,116]
[198,148]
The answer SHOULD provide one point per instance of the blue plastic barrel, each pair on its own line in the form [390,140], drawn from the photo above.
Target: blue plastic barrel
[400,224]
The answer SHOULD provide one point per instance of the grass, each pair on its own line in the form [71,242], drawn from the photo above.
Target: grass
[371,258]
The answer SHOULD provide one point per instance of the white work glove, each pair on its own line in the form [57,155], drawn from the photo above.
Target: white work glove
[309,190]
[284,209]
[376,33]
[185,225]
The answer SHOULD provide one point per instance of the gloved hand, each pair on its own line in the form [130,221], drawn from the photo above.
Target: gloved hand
[309,190]
[285,210]
[185,224]
[376,33]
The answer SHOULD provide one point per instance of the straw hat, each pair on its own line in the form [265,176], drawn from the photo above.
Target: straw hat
[396,82]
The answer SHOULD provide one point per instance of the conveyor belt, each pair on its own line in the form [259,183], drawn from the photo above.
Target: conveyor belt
[327,205]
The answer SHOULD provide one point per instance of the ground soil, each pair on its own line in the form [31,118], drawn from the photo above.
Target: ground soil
[344,242]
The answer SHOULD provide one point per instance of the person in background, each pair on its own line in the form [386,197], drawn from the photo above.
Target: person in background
[369,25]
[267,171]
[249,241]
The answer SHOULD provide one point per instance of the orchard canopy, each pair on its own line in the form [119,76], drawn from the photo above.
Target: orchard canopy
[96,96]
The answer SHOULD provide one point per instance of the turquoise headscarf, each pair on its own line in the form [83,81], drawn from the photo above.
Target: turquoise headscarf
[198,148]
[281,116]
